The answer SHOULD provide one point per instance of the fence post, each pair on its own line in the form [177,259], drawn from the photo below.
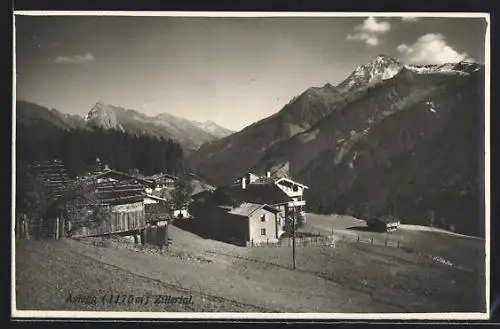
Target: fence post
[358,238]
[26,228]
[40,223]
[372,240]
[252,242]
[57,228]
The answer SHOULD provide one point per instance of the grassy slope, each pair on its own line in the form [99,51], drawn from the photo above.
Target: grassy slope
[349,278]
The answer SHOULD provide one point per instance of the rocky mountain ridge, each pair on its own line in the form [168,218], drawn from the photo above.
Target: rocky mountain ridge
[354,144]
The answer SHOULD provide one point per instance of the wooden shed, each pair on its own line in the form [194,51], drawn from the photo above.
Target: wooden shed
[383,224]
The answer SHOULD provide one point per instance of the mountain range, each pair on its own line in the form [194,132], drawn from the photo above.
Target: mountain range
[190,134]
[390,139]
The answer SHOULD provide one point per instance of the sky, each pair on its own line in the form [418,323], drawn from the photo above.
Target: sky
[230,70]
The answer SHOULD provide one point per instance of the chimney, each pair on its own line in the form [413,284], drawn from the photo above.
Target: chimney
[268,174]
[243,182]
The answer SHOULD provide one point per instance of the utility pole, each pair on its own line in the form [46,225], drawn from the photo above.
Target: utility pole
[293,238]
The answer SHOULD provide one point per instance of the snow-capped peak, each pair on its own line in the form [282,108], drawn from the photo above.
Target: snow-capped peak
[460,68]
[380,68]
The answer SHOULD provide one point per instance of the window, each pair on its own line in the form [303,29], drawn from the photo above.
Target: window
[262,231]
[263,217]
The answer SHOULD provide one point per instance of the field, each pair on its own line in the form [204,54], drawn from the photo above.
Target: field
[350,278]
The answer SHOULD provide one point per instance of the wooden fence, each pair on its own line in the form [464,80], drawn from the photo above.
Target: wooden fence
[299,241]
[326,240]
[355,238]
[42,228]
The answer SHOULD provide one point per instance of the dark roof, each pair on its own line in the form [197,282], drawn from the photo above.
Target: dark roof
[120,191]
[201,194]
[160,176]
[266,180]
[253,193]
[53,175]
[246,209]
[119,175]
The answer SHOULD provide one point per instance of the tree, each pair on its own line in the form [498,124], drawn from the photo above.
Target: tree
[32,197]
[182,192]
[298,216]
[83,207]
[300,219]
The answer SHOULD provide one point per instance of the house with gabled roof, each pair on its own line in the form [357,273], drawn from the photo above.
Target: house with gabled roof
[162,181]
[279,193]
[242,224]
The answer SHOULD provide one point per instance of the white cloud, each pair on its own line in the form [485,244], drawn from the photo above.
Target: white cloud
[370,31]
[410,19]
[430,48]
[74,59]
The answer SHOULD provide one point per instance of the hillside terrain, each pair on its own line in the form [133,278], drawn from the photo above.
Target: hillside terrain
[236,279]
[390,139]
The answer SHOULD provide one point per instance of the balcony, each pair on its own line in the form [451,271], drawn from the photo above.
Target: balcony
[297,203]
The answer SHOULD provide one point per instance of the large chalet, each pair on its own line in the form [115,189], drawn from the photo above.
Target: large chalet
[275,199]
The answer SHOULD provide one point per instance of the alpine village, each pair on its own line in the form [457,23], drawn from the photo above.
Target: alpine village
[359,197]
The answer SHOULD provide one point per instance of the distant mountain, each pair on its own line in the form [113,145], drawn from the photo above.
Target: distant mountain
[224,159]
[165,125]
[32,114]
[190,134]
[390,139]
[213,128]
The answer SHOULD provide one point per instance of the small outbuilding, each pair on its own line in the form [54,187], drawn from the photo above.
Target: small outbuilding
[383,224]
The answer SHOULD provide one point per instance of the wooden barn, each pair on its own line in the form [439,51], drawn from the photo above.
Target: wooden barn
[130,206]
